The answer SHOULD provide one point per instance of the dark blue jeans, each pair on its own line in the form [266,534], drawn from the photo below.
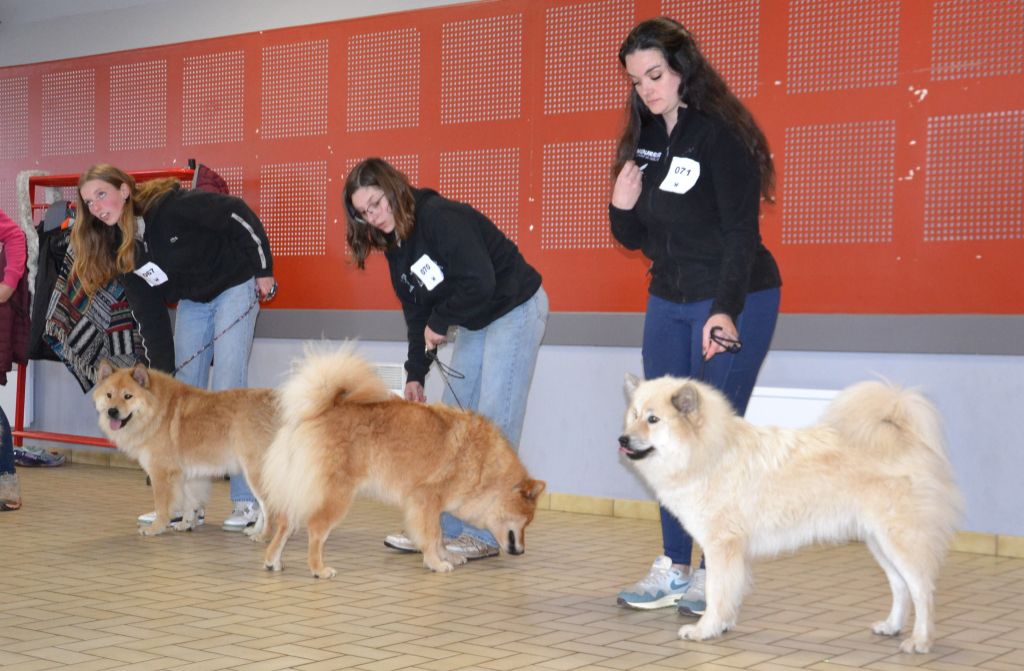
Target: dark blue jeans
[6,445]
[673,335]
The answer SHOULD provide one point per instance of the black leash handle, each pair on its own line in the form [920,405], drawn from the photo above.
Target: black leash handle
[445,370]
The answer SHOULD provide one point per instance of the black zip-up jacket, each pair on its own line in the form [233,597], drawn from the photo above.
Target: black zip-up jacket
[697,216]
[205,242]
[485,275]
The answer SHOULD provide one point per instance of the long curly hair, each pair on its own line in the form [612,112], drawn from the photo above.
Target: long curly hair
[701,88]
[363,238]
[103,252]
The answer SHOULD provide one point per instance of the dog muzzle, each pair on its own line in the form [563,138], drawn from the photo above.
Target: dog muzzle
[117,422]
[630,451]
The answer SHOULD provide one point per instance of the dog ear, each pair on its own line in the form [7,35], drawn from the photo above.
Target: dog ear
[141,375]
[531,489]
[632,382]
[104,370]
[687,399]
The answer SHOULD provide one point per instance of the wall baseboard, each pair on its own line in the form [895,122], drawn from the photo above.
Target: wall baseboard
[997,545]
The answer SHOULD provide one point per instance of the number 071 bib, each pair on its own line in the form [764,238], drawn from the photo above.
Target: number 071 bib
[682,175]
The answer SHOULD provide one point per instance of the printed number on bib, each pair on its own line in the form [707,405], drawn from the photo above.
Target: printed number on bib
[428,272]
[152,273]
[682,175]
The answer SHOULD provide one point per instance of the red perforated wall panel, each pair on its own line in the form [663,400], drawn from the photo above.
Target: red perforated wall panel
[897,128]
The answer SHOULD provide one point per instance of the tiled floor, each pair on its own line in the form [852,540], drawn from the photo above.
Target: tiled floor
[80,589]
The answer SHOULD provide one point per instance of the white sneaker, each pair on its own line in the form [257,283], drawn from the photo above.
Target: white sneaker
[465,545]
[400,542]
[470,547]
[662,587]
[244,515]
[693,601]
[150,517]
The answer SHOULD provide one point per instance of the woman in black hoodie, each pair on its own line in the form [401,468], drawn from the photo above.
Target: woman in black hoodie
[452,268]
[691,170]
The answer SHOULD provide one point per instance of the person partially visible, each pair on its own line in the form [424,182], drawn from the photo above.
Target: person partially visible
[206,251]
[13,254]
[452,268]
[691,169]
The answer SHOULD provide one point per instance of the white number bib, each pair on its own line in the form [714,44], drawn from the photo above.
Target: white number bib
[152,273]
[428,272]
[682,175]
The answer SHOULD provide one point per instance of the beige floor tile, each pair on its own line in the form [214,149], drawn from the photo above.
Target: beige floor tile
[89,593]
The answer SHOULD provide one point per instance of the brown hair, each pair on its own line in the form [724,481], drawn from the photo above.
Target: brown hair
[701,88]
[362,237]
[99,255]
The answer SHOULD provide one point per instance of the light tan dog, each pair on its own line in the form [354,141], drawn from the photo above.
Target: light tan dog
[183,436]
[873,469]
[346,433]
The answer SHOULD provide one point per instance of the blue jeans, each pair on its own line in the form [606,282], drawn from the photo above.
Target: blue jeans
[673,334]
[6,445]
[497,362]
[195,326]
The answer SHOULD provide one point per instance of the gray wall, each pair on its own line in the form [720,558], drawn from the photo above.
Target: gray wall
[576,402]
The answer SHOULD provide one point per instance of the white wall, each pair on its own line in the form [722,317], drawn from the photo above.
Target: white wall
[576,405]
[47,30]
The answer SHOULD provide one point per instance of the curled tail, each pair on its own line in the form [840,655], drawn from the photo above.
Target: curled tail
[294,481]
[324,376]
[901,426]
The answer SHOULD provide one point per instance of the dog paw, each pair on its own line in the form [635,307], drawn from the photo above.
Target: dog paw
[885,628]
[699,632]
[183,526]
[442,566]
[273,566]
[325,573]
[912,645]
[152,530]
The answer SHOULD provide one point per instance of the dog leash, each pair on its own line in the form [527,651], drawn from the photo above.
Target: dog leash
[445,370]
[731,346]
[255,302]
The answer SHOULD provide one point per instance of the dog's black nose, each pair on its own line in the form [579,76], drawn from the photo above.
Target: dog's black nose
[112,413]
[624,440]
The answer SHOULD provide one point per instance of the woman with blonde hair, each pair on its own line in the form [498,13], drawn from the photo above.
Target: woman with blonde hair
[206,251]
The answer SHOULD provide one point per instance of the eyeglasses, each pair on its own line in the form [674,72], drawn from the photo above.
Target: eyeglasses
[730,345]
[372,207]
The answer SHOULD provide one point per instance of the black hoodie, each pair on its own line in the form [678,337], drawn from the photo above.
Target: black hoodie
[697,216]
[205,243]
[484,274]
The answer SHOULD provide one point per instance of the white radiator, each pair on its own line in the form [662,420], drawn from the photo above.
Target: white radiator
[787,406]
[393,375]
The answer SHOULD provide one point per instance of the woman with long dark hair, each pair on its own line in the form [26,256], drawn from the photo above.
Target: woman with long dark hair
[691,170]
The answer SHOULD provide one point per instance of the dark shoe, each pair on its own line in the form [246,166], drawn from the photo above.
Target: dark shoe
[36,456]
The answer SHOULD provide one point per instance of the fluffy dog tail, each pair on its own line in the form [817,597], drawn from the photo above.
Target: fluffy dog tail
[293,472]
[326,376]
[894,425]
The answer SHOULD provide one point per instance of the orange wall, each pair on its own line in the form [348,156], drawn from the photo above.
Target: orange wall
[897,127]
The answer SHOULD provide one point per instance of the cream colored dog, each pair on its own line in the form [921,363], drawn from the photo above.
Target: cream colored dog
[874,469]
